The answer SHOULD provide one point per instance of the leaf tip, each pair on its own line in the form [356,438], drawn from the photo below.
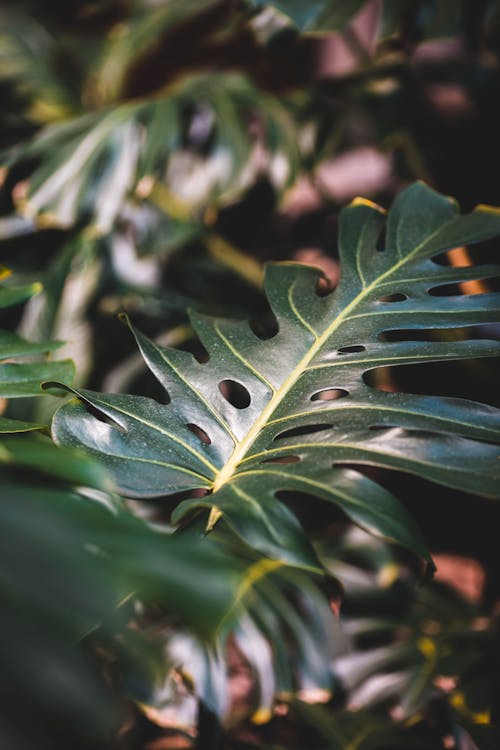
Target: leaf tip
[124,318]
[4,273]
[368,203]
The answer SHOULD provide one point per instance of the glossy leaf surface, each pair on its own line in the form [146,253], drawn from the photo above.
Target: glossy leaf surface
[291,412]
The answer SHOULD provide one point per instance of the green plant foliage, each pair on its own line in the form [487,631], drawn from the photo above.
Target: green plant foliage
[418,654]
[280,624]
[21,379]
[90,166]
[75,560]
[147,152]
[68,560]
[401,643]
[259,417]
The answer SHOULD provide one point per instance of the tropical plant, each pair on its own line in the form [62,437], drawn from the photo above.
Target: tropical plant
[247,425]
[77,568]
[295,412]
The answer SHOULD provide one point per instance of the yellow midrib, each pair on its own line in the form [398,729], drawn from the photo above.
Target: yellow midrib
[227,471]
[240,450]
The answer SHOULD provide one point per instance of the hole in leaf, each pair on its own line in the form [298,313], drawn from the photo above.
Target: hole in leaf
[396,297]
[282,460]
[329,394]
[381,239]
[236,393]
[264,329]
[306,430]
[266,325]
[199,352]
[200,433]
[325,286]
[351,349]
[445,290]
[425,334]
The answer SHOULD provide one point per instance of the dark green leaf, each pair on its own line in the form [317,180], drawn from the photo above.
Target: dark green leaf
[254,421]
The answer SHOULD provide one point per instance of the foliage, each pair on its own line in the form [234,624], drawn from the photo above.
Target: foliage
[231,425]
[158,551]
[75,561]
[21,379]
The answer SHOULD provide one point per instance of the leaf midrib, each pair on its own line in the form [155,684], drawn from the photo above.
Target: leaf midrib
[227,471]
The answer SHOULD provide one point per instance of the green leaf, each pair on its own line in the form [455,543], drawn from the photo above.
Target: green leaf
[147,28]
[282,624]
[69,562]
[39,454]
[10,426]
[228,426]
[21,379]
[89,167]
[13,295]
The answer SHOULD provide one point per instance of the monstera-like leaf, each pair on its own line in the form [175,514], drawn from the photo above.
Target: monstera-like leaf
[295,412]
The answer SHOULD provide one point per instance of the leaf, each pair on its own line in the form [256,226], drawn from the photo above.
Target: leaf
[10,426]
[279,629]
[21,379]
[67,561]
[71,559]
[148,28]
[253,420]
[88,168]
[14,295]
[38,453]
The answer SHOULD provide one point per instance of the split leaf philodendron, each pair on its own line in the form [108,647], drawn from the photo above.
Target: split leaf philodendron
[295,412]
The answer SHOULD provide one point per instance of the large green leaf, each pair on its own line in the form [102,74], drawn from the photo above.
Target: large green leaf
[259,418]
